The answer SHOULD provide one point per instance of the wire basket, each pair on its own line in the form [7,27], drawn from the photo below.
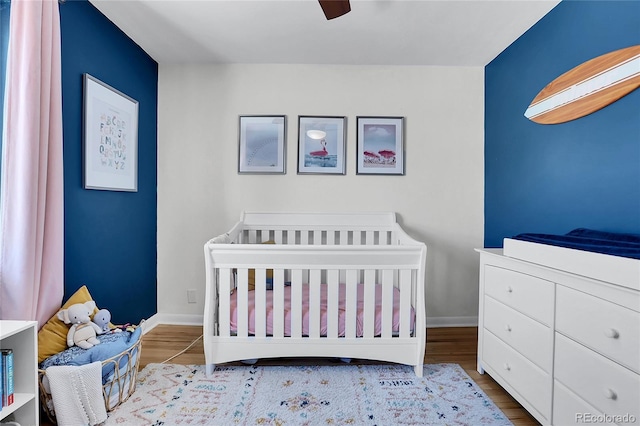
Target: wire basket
[115,391]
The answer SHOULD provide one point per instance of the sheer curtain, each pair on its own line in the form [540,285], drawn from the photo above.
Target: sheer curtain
[31,191]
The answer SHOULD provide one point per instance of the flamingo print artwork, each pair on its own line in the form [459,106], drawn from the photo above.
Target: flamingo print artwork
[323,158]
[388,154]
[321,153]
[382,158]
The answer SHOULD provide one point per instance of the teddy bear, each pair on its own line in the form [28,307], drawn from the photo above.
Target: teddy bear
[83,331]
[102,319]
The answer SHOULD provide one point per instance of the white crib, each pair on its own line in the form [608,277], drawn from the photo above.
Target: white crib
[345,285]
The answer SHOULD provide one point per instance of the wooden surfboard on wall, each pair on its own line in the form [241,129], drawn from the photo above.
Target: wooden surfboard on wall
[588,87]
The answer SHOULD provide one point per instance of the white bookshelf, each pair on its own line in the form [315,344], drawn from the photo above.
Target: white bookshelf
[22,337]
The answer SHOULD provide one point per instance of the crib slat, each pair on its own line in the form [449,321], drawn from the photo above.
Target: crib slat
[351,303]
[252,236]
[260,294]
[278,236]
[296,303]
[304,237]
[224,302]
[264,235]
[357,238]
[344,238]
[369,303]
[314,303]
[242,294]
[317,237]
[331,237]
[278,303]
[332,303]
[387,303]
[370,238]
[405,301]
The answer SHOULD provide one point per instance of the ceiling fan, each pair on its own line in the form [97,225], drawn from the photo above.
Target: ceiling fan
[334,8]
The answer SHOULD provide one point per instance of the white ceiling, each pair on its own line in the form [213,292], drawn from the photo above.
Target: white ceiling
[375,32]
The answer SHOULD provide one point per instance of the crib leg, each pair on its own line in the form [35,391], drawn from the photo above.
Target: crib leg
[418,370]
[209,369]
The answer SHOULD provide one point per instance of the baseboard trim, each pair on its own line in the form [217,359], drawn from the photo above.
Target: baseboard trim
[187,319]
[438,322]
[149,323]
[172,319]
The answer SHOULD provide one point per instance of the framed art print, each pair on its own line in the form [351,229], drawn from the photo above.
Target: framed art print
[261,147]
[110,137]
[321,145]
[380,145]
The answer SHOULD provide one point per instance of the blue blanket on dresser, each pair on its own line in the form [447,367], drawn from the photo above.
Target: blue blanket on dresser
[615,244]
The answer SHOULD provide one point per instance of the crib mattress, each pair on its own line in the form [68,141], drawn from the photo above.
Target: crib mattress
[323,311]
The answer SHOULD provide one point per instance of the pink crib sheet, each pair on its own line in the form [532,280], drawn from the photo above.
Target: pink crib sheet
[323,311]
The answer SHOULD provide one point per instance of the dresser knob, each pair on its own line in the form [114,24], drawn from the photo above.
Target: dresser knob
[507,327]
[610,394]
[612,333]
[506,366]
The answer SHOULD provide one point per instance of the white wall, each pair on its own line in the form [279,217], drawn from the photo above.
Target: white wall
[438,201]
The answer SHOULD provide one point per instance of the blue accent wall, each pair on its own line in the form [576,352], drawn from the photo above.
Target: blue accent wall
[110,236]
[583,173]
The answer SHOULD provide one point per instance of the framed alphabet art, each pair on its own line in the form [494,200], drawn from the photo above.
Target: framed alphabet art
[110,133]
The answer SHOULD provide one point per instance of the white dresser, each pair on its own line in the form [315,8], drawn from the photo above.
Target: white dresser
[564,345]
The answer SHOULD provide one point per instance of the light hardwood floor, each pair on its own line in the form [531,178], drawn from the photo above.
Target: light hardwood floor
[444,345]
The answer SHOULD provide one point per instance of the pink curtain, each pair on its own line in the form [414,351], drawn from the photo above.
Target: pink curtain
[31,192]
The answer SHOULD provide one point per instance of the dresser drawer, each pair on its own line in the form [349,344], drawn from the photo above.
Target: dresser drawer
[529,295]
[610,329]
[531,382]
[609,387]
[527,336]
[569,409]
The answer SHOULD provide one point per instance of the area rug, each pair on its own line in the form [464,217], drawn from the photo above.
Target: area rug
[344,394]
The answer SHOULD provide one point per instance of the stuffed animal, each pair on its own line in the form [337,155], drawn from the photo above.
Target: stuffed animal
[102,318]
[83,331]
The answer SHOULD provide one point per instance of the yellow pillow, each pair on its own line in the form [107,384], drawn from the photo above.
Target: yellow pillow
[251,280]
[52,337]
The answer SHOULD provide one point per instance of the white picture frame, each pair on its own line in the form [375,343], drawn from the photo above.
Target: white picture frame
[262,144]
[380,146]
[321,145]
[110,138]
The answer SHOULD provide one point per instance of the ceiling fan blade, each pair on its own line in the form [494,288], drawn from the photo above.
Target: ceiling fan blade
[334,8]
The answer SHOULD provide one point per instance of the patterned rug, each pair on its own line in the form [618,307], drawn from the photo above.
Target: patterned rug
[343,394]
